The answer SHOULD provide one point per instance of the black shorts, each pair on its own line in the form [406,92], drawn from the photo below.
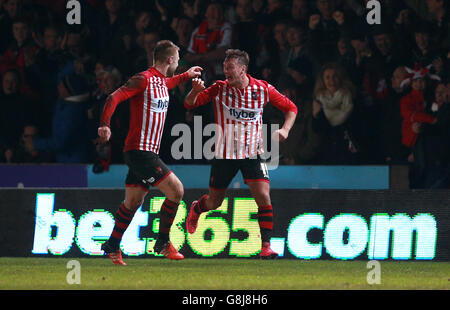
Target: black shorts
[144,169]
[224,170]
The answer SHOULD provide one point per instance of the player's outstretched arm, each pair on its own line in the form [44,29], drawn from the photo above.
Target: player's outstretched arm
[198,85]
[134,85]
[194,72]
[174,81]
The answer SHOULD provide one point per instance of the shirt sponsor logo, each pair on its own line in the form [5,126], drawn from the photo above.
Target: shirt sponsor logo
[160,104]
[241,114]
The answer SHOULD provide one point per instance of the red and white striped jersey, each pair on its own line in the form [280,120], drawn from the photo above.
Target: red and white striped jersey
[238,114]
[148,92]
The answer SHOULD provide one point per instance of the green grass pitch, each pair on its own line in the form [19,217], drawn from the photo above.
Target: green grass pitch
[219,274]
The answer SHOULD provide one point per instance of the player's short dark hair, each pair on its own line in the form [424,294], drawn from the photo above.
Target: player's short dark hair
[241,56]
[164,49]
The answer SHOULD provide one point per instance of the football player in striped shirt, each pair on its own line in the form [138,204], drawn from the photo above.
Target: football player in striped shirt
[148,94]
[238,103]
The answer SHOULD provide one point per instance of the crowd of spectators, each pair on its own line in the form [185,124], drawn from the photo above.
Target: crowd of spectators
[366,94]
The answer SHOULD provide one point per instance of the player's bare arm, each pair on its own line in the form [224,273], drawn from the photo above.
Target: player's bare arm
[198,85]
[289,109]
[133,86]
[174,81]
[283,133]
[194,71]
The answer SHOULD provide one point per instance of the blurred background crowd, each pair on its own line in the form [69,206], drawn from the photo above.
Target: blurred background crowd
[366,94]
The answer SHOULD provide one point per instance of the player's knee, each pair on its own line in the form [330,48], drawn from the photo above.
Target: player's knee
[133,203]
[177,192]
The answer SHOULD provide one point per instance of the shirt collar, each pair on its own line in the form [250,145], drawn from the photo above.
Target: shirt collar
[156,72]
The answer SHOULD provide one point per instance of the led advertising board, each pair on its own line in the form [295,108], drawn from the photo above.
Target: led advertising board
[321,224]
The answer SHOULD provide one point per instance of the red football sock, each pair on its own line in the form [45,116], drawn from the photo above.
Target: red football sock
[265,221]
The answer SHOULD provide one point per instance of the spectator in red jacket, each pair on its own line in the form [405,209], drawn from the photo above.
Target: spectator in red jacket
[413,105]
[209,41]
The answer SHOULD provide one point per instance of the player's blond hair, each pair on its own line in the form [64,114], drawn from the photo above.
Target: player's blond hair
[164,50]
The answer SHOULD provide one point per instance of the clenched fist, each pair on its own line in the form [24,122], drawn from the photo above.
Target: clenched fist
[195,71]
[104,133]
[198,85]
[280,135]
